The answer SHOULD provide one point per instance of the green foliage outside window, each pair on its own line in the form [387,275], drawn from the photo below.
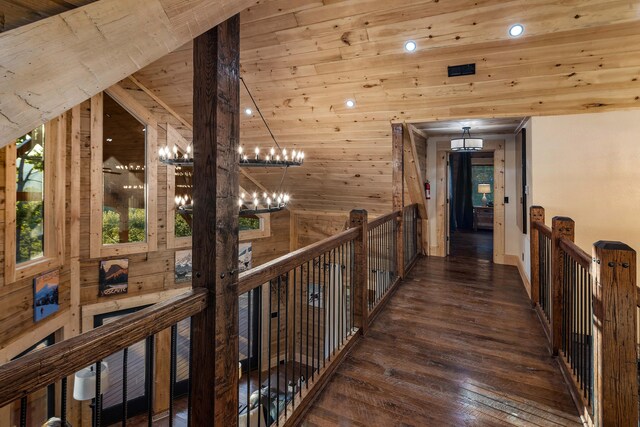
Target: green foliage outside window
[481,175]
[249,223]
[183,229]
[111,226]
[30,195]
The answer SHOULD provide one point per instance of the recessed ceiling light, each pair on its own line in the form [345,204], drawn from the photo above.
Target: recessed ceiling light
[248,111]
[350,103]
[410,46]
[516,30]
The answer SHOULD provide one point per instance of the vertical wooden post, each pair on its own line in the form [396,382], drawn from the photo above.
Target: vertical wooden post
[615,379]
[397,156]
[216,128]
[359,218]
[561,227]
[536,214]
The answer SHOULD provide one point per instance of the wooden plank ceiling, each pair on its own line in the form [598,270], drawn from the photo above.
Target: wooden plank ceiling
[303,58]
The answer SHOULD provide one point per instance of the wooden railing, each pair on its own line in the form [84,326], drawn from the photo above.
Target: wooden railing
[33,372]
[382,258]
[588,307]
[299,316]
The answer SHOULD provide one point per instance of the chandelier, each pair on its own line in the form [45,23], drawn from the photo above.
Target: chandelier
[465,142]
[248,204]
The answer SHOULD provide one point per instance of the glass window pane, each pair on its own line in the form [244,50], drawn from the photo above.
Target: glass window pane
[184,190]
[481,175]
[30,195]
[124,176]
[249,222]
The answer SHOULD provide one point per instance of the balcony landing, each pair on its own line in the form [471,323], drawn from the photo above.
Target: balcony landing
[458,344]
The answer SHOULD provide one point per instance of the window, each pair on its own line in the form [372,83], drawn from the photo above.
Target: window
[123,175]
[184,191]
[249,222]
[481,174]
[30,195]
[35,185]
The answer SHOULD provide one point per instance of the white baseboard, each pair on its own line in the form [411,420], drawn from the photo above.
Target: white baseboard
[517,262]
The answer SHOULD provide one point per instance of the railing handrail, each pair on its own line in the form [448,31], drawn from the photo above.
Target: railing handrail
[37,370]
[542,227]
[576,253]
[255,277]
[384,218]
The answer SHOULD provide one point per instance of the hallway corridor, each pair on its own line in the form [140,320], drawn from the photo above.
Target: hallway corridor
[458,344]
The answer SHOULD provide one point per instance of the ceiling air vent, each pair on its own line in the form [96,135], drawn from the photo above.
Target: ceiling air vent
[462,70]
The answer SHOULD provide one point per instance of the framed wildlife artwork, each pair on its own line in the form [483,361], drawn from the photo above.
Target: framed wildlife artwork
[45,295]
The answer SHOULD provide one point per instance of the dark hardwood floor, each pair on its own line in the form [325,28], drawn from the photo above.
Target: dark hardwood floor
[472,244]
[458,344]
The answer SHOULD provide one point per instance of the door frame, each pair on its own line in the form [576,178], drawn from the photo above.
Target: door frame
[497,146]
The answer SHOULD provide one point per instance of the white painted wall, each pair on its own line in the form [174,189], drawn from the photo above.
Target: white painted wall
[587,167]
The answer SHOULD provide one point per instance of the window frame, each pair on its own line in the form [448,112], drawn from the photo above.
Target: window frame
[54,205]
[126,101]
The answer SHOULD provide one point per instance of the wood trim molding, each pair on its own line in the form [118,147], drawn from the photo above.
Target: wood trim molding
[498,148]
[97,249]
[54,202]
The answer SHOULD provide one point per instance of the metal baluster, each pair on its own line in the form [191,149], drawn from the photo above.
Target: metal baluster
[317,348]
[269,342]
[150,384]
[307,328]
[23,412]
[260,315]
[98,398]
[63,402]
[293,346]
[324,310]
[172,370]
[286,338]
[125,382]
[248,364]
[278,359]
[313,322]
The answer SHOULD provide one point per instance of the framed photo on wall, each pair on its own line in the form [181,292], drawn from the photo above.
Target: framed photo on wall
[184,266]
[114,277]
[45,295]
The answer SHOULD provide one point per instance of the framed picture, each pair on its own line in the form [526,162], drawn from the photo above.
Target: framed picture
[45,295]
[184,266]
[114,277]
[244,257]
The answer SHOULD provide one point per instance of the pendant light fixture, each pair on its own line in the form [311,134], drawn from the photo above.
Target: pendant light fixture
[465,142]
[252,203]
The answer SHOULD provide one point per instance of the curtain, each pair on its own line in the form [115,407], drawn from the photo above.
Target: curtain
[462,203]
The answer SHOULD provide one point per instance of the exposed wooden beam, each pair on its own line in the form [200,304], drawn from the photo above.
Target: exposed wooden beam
[160,102]
[414,179]
[216,112]
[412,173]
[56,63]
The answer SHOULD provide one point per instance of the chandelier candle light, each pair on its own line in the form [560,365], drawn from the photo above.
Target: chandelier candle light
[270,203]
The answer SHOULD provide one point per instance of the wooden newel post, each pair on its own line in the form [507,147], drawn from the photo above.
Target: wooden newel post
[536,214]
[615,379]
[397,179]
[360,219]
[216,131]
[561,227]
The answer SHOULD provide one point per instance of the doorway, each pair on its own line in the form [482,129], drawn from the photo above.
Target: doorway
[471,205]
